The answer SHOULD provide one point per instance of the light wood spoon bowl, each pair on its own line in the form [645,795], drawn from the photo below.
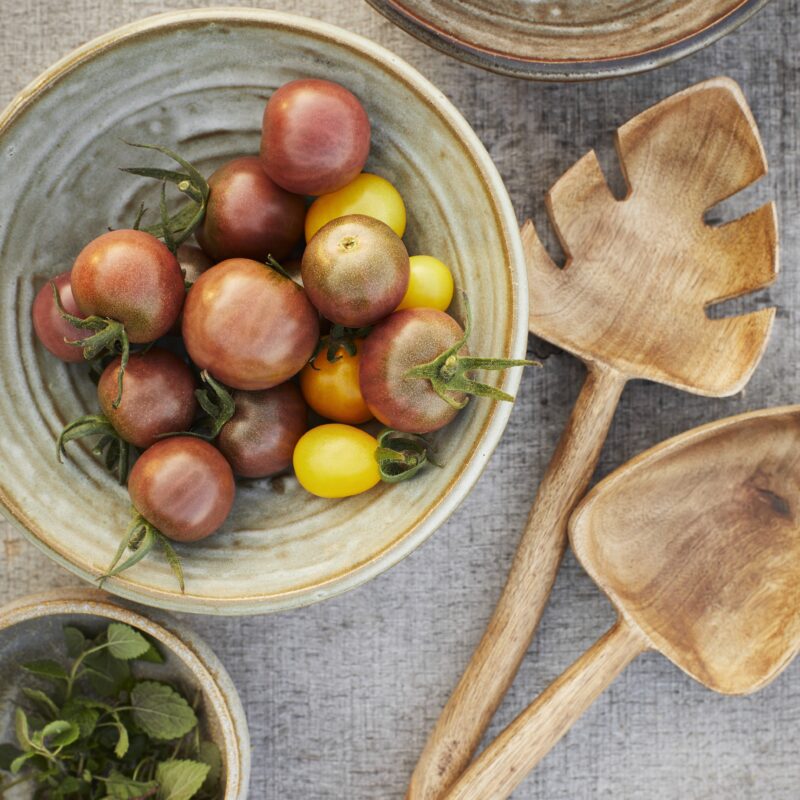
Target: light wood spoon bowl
[630,303]
[697,544]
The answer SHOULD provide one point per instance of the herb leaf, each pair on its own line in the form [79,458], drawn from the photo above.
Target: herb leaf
[76,641]
[121,788]
[126,643]
[22,730]
[84,717]
[42,701]
[160,711]
[180,779]
[209,754]
[152,655]
[107,675]
[7,755]
[60,732]
[18,763]
[46,668]
[124,741]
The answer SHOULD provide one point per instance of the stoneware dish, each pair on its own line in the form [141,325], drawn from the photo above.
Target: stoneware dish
[31,628]
[568,40]
[197,81]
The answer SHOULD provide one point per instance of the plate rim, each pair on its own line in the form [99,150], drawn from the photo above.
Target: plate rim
[565,70]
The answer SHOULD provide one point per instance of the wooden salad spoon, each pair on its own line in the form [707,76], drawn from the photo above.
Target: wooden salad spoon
[630,303]
[697,544]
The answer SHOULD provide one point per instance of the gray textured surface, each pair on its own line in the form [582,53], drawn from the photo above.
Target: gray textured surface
[341,696]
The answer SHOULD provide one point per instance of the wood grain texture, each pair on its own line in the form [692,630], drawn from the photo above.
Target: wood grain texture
[696,542]
[341,697]
[520,747]
[494,664]
[630,302]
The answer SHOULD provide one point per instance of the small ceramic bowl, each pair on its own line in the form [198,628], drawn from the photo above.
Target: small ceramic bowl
[197,81]
[31,628]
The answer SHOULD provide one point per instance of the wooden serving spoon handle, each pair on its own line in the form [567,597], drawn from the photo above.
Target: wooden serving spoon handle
[494,664]
[530,737]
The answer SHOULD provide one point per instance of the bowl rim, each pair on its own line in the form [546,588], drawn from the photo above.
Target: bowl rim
[184,644]
[516,333]
[598,68]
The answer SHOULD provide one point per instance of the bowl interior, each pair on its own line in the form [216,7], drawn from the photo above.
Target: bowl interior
[31,632]
[197,82]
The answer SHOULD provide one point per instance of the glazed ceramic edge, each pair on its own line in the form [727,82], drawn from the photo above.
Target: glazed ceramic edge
[518,337]
[183,643]
[571,71]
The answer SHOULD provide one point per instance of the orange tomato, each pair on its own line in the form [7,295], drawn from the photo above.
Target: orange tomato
[332,388]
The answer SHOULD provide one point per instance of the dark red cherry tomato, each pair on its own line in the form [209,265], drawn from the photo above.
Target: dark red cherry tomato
[132,277]
[248,215]
[416,370]
[259,438]
[158,397]
[402,341]
[315,136]
[193,262]
[183,486]
[51,328]
[355,270]
[249,326]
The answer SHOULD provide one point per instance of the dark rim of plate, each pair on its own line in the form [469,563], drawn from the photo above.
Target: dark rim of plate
[578,70]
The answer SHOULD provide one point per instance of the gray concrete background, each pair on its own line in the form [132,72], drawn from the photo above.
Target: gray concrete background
[341,696]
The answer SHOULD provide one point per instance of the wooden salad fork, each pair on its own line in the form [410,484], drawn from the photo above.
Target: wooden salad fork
[631,303]
[697,544]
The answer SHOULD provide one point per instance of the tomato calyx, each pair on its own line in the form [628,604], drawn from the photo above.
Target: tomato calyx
[218,404]
[116,452]
[400,455]
[447,372]
[339,338]
[141,538]
[176,229]
[109,337]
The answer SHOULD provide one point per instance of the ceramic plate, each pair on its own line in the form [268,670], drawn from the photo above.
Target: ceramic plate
[568,39]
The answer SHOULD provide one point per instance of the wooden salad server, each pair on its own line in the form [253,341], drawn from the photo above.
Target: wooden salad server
[697,544]
[631,303]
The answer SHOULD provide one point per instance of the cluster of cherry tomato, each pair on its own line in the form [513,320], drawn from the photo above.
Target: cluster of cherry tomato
[354,328]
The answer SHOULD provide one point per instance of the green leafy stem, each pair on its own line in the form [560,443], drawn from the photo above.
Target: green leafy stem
[448,371]
[116,452]
[175,229]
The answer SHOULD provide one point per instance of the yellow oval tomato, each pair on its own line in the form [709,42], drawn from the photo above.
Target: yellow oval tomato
[367,194]
[336,461]
[332,389]
[430,284]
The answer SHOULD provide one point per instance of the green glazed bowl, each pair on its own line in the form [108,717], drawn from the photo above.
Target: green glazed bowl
[31,628]
[197,81]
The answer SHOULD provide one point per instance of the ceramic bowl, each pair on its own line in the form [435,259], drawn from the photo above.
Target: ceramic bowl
[568,40]
[198,81]
[31,628]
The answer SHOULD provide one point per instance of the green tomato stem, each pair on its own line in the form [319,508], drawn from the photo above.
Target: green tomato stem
[110,336]
[447,372]
[400,456]
[141,537]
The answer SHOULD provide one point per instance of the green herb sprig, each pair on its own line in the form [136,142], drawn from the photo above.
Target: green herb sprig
[92,730]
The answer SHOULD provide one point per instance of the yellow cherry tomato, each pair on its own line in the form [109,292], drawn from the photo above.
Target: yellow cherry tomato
[367,194]
[331,388]
[336,461]
[430,284]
